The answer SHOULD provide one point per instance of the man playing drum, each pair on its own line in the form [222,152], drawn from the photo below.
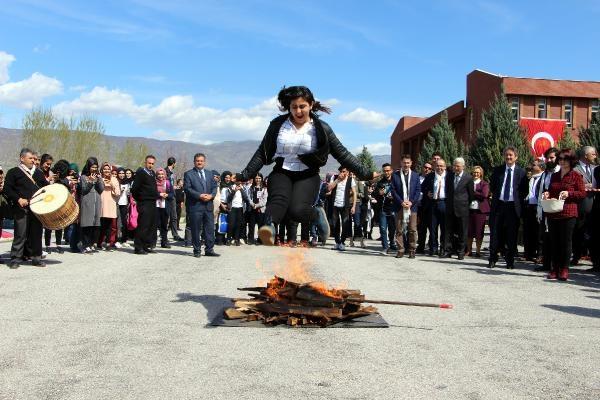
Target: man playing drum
[19,186]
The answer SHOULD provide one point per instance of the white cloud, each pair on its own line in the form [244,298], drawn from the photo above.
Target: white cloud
[368,118]
[177,114]
[28,92]
[77,88]
[379,148]
[43,48]
[99,100]
[5,61]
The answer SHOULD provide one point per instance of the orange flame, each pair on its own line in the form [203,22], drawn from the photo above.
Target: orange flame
[296,268]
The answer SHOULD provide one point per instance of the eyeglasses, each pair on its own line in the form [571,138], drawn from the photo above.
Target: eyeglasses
[426,167]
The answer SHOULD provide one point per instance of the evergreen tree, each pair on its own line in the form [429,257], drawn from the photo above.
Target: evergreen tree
[442,139]
[567,141]
[591,135]
[498,130]
[366,159]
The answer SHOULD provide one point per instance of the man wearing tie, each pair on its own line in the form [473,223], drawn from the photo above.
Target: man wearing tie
[200,190]
[435,186]
[583,226]
[596,222]
[508,184]
[145,193]
[459,195]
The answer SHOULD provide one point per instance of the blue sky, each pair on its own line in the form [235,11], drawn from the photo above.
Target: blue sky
[208,71]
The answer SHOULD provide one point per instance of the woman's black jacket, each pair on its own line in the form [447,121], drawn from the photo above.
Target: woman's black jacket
[327,143]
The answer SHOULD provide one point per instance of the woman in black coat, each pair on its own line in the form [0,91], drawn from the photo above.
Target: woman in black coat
[299,143]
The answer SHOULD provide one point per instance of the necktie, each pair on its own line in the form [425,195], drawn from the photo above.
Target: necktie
[202,180]
[456,179]
[439,188]
[587,171]
[507,185]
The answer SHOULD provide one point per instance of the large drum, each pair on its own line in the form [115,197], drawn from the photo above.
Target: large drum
[54,206]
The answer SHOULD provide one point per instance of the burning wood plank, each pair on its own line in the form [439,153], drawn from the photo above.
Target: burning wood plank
[305,304]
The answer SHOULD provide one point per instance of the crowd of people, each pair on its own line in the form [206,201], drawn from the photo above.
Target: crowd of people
[440,210]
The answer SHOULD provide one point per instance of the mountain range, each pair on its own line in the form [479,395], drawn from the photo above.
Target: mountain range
[230,155]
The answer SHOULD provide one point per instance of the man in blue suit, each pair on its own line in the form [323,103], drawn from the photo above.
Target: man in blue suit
[200,190]
[509,186]
[406,189]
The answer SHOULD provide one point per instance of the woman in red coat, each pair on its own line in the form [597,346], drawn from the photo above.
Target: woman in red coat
[478,211]
[566,185]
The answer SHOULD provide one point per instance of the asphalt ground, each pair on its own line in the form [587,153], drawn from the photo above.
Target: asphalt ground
[115,325]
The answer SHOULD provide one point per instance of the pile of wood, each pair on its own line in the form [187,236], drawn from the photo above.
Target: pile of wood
[294,304]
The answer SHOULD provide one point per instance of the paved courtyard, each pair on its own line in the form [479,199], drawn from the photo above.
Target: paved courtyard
[119,326]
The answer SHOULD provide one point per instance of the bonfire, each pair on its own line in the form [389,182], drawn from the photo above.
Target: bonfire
[295,298]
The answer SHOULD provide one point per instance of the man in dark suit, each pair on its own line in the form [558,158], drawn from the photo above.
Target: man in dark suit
[508,185]
[582,231]
[201,188]
[595,222]
[459,194]
[435,188]
[145,193]
[20,184]
[406,190]
[423,211]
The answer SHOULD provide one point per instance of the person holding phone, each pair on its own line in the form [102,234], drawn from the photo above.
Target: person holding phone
[91,187]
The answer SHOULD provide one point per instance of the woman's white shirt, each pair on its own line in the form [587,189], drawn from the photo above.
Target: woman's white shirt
[292,141]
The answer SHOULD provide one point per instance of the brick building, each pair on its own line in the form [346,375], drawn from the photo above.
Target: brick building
[574,101]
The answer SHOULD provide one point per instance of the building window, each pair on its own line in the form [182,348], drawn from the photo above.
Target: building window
[594,109]
[540,106]
[568,111]
[514,107]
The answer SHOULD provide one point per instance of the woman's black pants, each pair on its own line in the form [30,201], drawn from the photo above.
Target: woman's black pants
[561,233]
[292,194]
[162,218]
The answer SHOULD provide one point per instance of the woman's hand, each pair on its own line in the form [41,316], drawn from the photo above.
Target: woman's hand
[563,195]
[545,195]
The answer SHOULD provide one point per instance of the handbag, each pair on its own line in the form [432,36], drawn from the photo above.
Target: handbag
[552,206]
[222,228]
[132,220]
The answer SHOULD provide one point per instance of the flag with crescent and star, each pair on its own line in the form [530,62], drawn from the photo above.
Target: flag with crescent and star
[542,133]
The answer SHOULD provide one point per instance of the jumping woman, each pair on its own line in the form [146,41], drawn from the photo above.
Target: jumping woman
[299,143]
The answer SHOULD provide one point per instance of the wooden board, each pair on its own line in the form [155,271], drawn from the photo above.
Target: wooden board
[369,321]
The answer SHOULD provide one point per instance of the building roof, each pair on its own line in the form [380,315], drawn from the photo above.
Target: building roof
[548,87]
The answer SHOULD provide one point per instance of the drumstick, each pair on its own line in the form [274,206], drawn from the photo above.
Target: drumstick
[34,202]
[37,194]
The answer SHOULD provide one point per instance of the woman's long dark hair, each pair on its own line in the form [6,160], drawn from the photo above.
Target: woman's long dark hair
[286,95]
[262,182]
[88,164]
[61,169]
[123,181]
[222,183]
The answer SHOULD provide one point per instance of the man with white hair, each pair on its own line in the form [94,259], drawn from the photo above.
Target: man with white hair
[582,232]
[459,194]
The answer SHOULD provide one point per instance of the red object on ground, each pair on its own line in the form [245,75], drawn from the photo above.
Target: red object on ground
[542,133]
[444,305]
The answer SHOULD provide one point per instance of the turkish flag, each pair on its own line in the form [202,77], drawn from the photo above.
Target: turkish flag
[542,133]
